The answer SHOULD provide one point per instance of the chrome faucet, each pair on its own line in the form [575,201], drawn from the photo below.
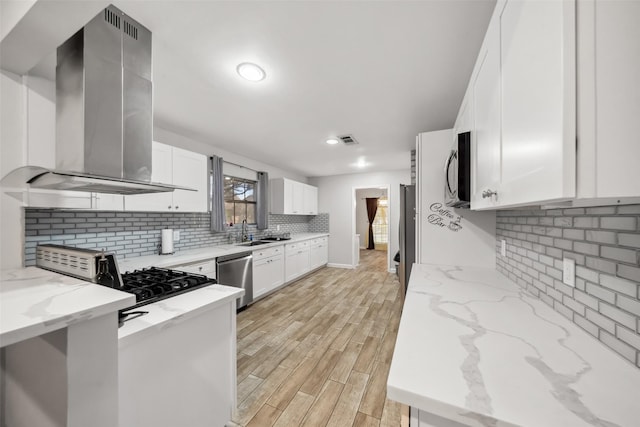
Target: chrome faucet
[244,230]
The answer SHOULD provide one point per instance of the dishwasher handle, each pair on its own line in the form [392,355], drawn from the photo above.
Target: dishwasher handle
[232,257]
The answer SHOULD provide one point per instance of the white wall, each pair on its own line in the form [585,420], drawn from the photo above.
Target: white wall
[335,196]
[12,155]
[362,218]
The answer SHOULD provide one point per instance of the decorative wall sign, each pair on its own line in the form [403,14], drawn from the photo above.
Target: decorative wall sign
[442,217]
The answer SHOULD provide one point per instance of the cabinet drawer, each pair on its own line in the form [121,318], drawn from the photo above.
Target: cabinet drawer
[259,254]
[207,268]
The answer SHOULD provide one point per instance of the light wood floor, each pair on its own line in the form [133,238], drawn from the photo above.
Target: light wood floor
[317,353]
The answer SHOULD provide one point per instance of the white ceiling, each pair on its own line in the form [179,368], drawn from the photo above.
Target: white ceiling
[380,70]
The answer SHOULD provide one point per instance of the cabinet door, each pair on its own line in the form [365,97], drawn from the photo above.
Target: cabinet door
[292,266]
[304,263]
[608,99]
[537,55]
[108,202]
[298,198]
[260,277]
[288,196]
[486,107]
[275,272]
[190,170]
[310,194]
[161,172]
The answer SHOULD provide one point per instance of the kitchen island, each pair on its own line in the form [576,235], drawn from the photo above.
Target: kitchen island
[59,349]
[475,349]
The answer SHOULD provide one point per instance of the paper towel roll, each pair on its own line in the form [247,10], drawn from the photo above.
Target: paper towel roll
[167,241]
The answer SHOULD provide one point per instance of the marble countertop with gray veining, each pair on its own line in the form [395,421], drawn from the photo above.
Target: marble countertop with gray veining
[34,301]
[200,254]
[475,348]
[165,313]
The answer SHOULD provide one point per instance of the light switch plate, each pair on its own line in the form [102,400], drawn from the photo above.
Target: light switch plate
[503,247]
[569,272]
[176,235]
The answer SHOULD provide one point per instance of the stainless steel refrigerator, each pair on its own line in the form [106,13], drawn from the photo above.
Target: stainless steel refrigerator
[407,233]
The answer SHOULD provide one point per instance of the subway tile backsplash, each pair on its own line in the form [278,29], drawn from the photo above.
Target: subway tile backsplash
[605,244]
[132,234]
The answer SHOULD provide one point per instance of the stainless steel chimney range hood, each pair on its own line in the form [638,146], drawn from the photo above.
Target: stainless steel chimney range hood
[104,111]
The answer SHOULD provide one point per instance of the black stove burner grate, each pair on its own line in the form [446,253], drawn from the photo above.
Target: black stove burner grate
[153,284]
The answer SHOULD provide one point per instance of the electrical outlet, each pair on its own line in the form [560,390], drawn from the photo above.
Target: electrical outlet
[503,247]
[277,228]
[569,272]
[176,235]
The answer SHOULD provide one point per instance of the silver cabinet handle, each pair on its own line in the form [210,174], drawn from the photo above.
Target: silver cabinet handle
[200,268]
[169,207]
[177,207]
[489,193]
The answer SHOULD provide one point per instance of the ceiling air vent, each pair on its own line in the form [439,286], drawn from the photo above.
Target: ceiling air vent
[348,139]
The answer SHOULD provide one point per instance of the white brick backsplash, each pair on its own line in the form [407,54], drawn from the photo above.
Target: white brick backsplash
[618,315]
[628,336]
[628,304]
[632,240]
[622,286]
[618,222]
[619,254]
[605,243]
[603,322]
[587,274]
[624,349]
[586,325]
[132,234]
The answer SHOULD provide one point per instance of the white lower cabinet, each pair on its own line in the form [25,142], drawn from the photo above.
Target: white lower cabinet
[206,268]
[268,270]
[191,362]
[318,252]
[297,260]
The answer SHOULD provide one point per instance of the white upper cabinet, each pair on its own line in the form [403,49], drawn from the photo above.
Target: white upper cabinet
[292,198]
[486,126]
[310,197]
[190,170]
[172,165]
[537,47]
[608,99]
[523,98]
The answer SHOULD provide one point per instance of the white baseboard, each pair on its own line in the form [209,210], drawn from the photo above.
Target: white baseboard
[349,266]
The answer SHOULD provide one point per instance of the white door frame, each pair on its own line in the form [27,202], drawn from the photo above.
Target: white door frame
[386,187]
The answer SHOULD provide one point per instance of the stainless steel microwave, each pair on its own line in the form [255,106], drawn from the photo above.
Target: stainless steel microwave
[457,172]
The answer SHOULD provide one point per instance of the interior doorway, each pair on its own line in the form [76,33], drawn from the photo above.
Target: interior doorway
[371,221]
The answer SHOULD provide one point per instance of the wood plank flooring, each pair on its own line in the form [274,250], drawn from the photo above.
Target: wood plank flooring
[317,353]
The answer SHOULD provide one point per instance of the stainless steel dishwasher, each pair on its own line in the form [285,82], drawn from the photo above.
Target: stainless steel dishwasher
[237,270]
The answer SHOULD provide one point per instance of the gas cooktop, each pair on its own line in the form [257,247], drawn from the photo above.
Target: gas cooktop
[153,284]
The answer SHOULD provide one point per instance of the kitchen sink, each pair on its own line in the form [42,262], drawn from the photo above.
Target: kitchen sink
[254,243]
[276,239]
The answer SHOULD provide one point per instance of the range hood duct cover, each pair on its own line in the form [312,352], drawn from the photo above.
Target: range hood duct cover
[104,110]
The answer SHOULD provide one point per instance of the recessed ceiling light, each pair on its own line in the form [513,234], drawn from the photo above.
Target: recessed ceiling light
[251,72]
[332,141]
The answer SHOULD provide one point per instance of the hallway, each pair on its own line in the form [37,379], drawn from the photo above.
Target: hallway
[318,352]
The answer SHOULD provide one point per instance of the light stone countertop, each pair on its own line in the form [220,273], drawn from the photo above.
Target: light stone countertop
[201,254]
[34,301]
[475,348]
[168,312]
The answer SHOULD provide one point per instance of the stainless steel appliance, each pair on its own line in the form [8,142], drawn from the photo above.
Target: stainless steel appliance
[407,233]
[104,111]
[457,172]
[237,270]
[149,285]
